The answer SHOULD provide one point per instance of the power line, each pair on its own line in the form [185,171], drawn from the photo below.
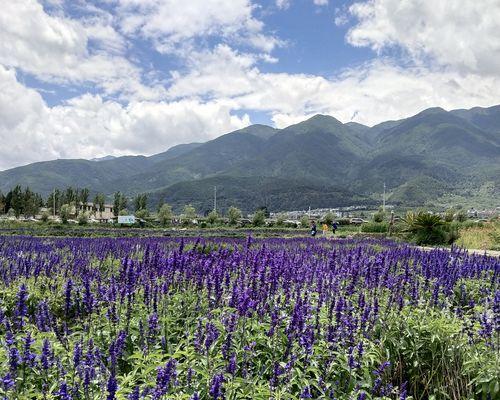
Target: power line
[215,198]
[383,200]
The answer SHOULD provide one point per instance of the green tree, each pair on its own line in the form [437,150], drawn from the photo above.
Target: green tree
[83,218]
[425,228]
[379,216]
[213,217]
[45,216]
[119,203]
[2,203]
[83,196]
[449,215]
[64,213]
[16,201]
[99,200]
[141,202]
[280,220]
[461,216]
[188,214]
[70,196]
[165,214]
[143,213]
[31,205]
[328,218]
[304,221]
[234,215]
[259,218]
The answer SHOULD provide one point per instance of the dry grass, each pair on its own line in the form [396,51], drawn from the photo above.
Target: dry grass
[486,237]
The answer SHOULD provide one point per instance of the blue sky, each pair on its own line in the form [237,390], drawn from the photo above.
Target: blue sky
[84,79]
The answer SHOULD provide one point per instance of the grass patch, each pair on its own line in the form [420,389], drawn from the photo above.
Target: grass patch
[486,237]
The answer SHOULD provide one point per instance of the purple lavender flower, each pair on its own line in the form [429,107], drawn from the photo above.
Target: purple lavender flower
[8,381]
[46,356]
[22,307]
[28,357]
[112,387]
[306,393]
[216,387]
[63,392]
[165,378]
[135,394]
[212,333]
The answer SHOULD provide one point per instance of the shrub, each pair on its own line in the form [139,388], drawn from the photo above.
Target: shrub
[142,213]
[83,218]
[280,220]
[45,216]
[461,216]
[374,227]
[379,216]
[427,350]
[233,215]
[64,213]
[165,215]
[259,218]
[425,228]
[304,221]
[213,217]
[328,219]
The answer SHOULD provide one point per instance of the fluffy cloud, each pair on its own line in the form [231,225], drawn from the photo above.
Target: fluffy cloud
[370,93]
[58,49]
[168,23]
[215,82]
[460,34]
[88,126]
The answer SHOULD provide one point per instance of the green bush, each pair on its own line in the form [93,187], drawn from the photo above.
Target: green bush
[379,216]
[45,216]
[425,228]
[213,217]
[374,227]
[259,218]
[83,218]
[428,349]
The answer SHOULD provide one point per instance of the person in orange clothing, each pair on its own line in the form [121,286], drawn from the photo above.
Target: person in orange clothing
[324,228]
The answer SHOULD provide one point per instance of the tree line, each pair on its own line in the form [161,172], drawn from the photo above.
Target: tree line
[67,202]
[24,201]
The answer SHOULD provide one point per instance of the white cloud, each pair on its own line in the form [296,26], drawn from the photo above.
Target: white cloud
[216,82]
[58,49]
[373,92]
[88,126]
[321,2]
[461,34]
[283,4]
[169,23]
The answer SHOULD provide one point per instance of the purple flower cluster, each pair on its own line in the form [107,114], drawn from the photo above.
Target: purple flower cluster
[197,317]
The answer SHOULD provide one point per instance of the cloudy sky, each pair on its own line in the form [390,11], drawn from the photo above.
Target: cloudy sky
[83,79]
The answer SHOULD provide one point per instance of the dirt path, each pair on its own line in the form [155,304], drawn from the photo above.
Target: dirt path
[491,253]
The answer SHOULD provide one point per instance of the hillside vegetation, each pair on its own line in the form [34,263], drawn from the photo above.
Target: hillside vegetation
[433,157]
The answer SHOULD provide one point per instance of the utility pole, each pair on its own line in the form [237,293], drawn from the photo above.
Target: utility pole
[383,200]
[215,198]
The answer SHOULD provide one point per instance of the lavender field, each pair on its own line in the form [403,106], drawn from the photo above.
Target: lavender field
[155,318]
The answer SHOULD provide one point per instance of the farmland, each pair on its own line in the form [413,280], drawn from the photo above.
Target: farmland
[190,318]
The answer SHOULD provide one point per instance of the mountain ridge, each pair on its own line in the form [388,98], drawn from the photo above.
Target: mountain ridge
[458,149]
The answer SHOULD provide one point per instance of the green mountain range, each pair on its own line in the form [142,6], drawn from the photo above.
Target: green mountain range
[434,157]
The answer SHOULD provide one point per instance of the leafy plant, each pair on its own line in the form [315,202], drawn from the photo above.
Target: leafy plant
[425,228]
